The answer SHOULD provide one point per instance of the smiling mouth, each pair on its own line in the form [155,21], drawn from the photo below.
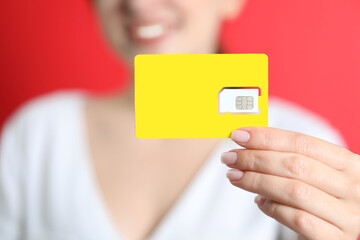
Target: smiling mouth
[148,32]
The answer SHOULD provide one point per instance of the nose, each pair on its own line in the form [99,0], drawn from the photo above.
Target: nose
[141,7]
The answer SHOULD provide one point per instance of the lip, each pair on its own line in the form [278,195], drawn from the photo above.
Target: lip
[149,31]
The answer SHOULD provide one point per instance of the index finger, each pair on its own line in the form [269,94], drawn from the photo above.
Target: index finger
[266,138]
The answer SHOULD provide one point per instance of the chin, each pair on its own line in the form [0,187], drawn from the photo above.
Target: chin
[153,50]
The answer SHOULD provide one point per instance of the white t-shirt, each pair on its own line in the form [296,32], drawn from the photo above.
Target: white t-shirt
[48,190]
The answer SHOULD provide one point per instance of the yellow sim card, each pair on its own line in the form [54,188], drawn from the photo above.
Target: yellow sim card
[199,95]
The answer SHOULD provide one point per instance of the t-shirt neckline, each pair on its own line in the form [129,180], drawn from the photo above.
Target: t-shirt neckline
[166,220]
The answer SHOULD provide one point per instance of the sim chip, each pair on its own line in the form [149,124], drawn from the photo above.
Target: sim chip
[237,100]
[244,103]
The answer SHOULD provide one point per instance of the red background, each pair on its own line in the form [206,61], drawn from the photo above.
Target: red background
[313,48]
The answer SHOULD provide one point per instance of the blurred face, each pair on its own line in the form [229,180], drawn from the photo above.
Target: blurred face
[164,26]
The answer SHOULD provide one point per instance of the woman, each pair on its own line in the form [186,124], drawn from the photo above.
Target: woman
[72,168]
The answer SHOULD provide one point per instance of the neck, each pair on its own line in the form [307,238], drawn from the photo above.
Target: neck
[128,97]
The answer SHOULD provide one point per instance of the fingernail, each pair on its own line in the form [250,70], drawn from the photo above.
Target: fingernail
[259,200]
[240,136]
[234,174]
[229,157]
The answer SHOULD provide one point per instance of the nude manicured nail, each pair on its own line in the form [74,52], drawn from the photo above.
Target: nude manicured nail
[240,136]
[229,157]
[259,200]
[234,174]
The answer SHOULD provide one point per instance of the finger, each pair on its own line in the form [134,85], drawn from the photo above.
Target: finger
[290,165]
[293,193]
[300,237]
[264,138]
[302,222]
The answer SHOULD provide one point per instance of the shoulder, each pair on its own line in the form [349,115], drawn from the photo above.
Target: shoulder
[291,116]
[41,156]
[44,110]
[39,120]
[43,107]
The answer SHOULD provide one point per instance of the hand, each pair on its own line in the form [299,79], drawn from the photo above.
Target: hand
[305,183]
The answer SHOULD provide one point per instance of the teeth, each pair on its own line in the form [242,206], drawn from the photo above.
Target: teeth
[150,31]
